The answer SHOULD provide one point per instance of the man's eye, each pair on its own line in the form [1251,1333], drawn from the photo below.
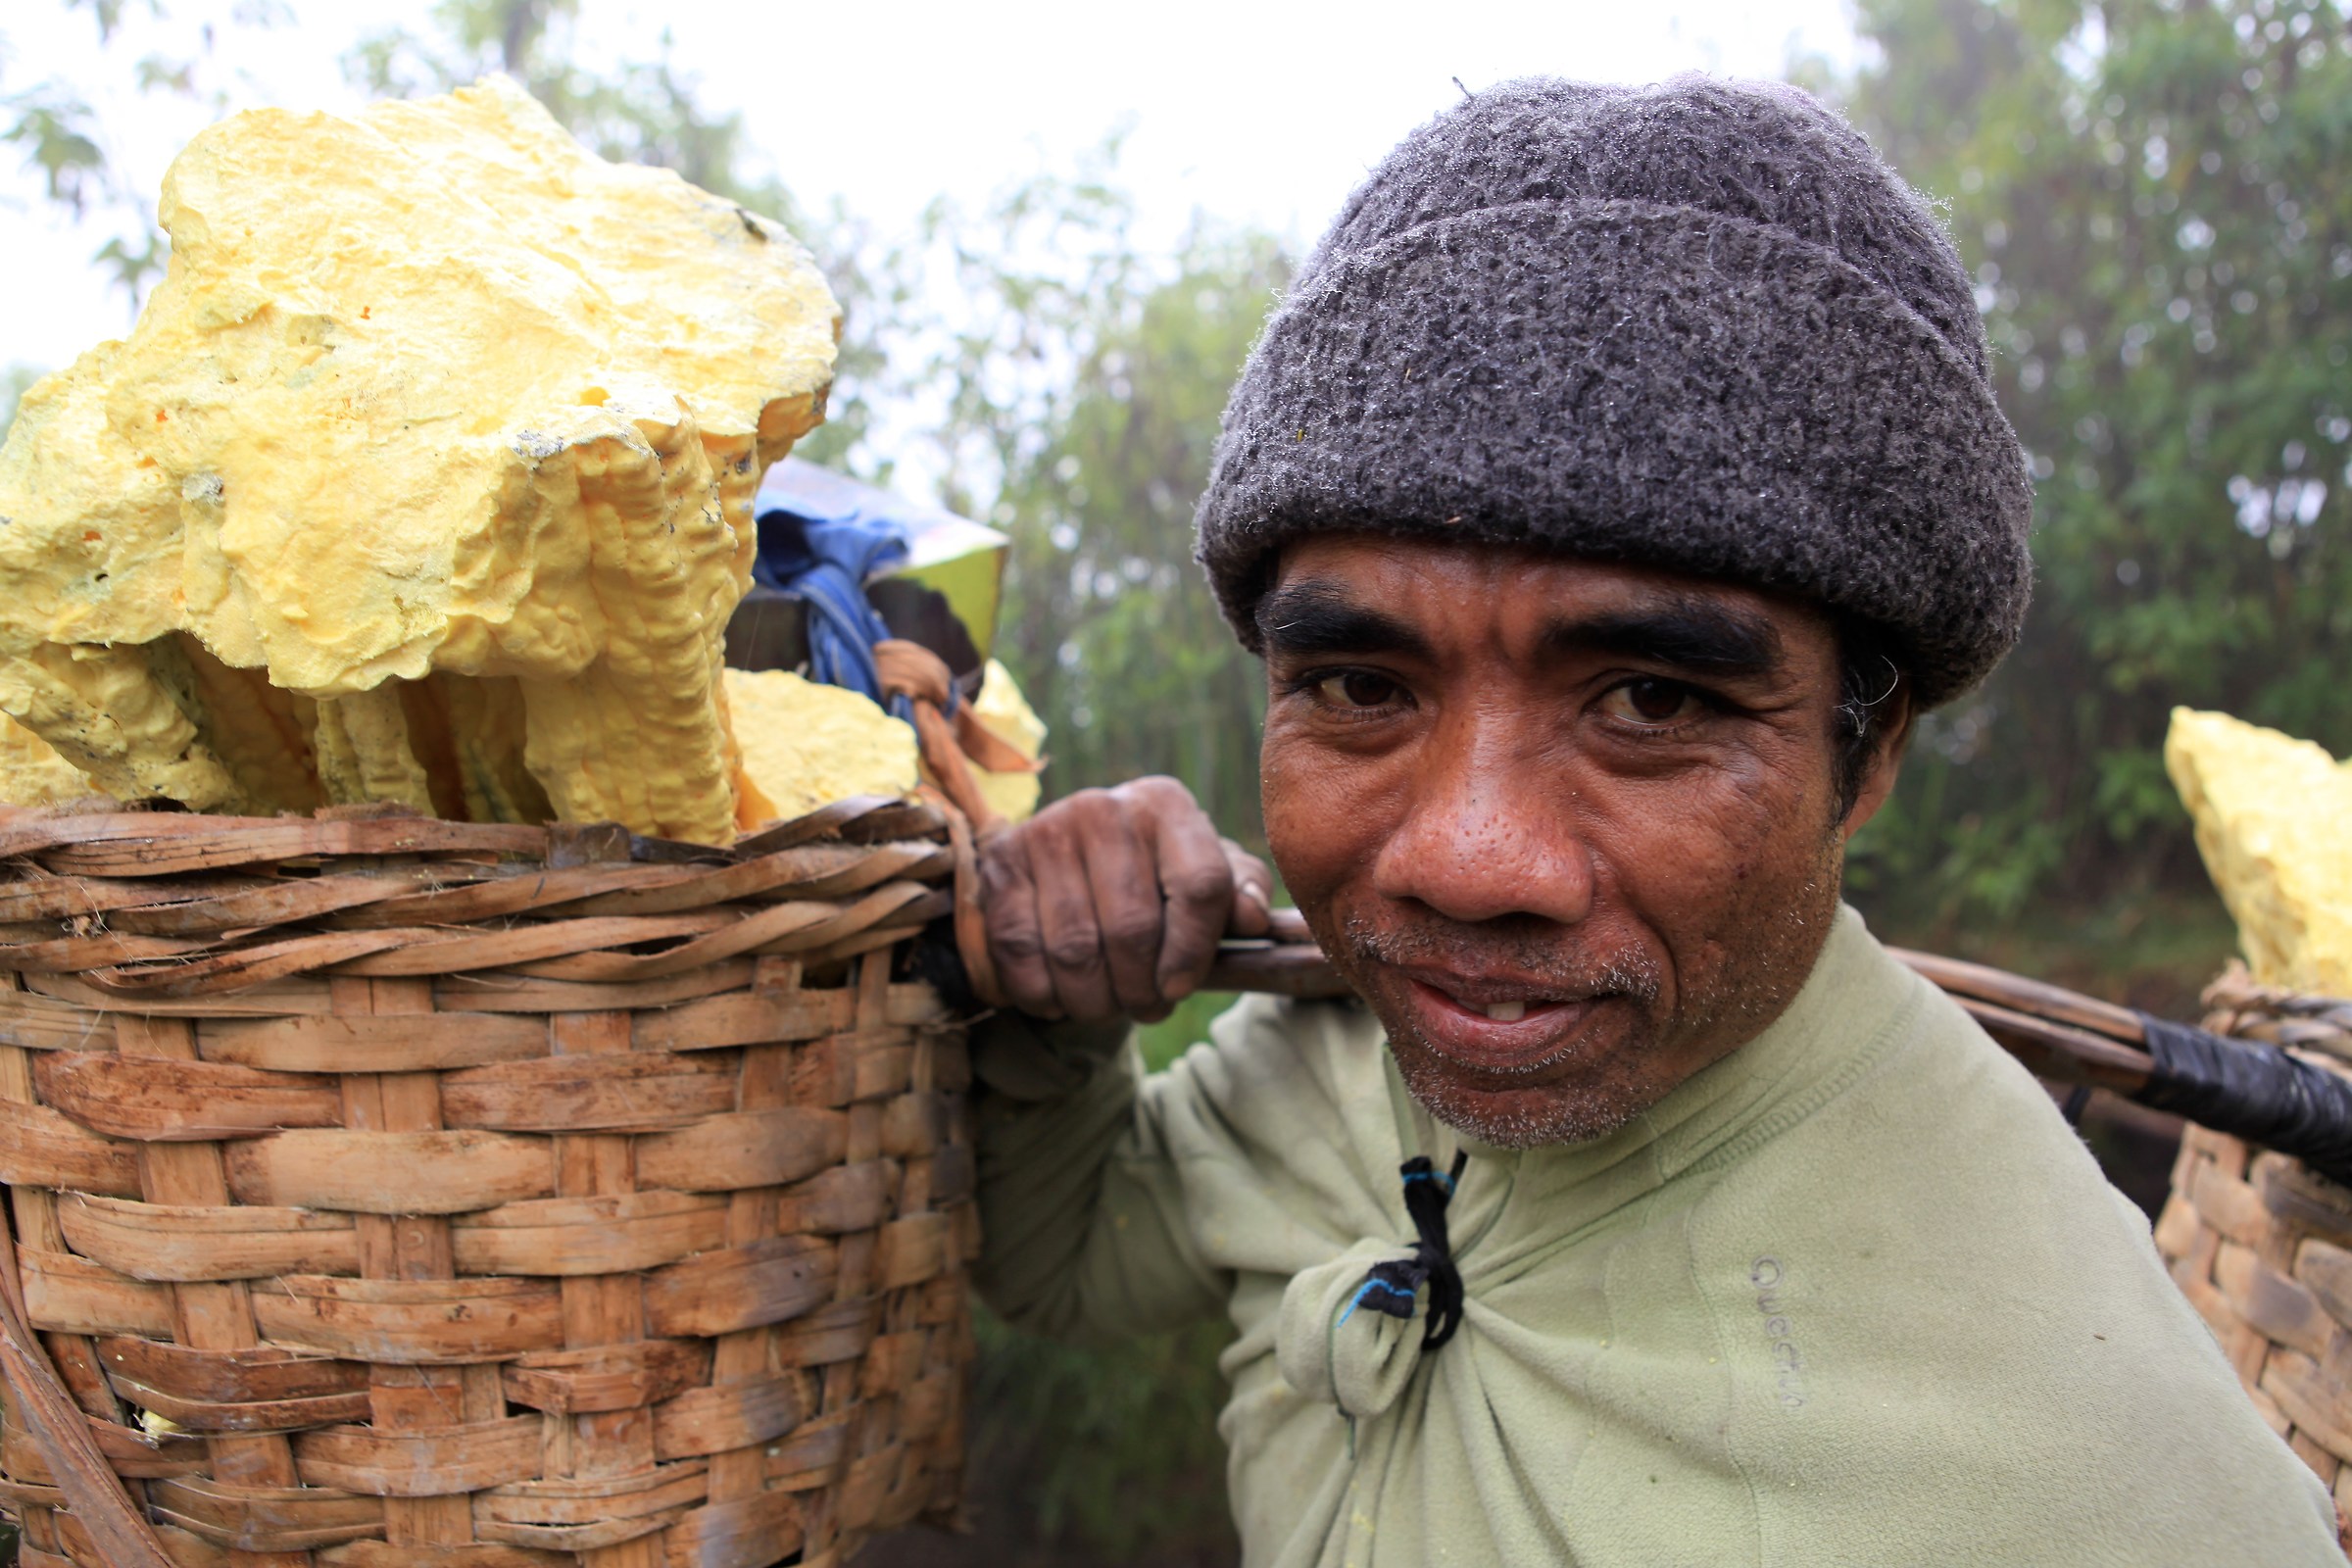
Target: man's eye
[1357,688]
[1653,702]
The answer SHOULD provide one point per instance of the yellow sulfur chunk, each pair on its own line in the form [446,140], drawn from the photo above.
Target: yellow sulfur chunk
[361,742]
[640,736]
[90,539]
[260,733]
[469,736]
[429,393]
[32,773]
[2274,821]
[109,713]
[1002,708]
[806,744]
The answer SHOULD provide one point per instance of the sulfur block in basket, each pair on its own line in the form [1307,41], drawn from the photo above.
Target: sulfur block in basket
[1005,710]
[32,773]
[427,392]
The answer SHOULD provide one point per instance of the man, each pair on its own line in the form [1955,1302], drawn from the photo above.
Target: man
[1618,482]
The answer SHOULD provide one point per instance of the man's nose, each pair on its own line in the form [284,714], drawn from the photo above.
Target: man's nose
[1487,832]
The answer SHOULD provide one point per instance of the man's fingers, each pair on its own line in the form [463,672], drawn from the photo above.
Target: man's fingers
[1126,886]
[1111,902]
[1073,936]
[1195,883]
[1252,891]
[1016,938]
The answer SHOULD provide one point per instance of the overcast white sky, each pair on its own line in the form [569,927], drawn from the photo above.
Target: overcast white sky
[1251,112]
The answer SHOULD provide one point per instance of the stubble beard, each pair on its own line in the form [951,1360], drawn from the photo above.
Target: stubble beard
[1576,1110]
[1740,997]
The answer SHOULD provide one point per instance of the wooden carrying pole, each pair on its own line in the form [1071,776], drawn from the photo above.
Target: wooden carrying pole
[2259,1092]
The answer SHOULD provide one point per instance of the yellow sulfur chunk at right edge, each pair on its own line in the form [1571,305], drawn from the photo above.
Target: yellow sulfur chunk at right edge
[2273,820]
[430,392]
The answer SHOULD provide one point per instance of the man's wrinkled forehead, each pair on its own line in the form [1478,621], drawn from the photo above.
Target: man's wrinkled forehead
[1339,598]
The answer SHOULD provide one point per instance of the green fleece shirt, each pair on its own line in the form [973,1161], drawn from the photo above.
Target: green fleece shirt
[1854,1294]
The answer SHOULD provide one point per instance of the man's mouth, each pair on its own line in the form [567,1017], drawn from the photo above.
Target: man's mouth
[1494,1026]
[1496,1009]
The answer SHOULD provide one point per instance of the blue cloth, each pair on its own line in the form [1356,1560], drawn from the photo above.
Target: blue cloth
[821,546]
[824,565]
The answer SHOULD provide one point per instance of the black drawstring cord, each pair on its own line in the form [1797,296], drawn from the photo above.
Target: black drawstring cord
[1392,1286]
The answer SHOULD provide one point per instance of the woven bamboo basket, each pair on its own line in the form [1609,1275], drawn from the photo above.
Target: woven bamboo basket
[387,1190]
[2263,1245]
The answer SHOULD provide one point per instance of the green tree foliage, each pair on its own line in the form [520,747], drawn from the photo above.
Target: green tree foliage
[645,111]
[1007,303]
[51,124]
[2156,200]
[1082,397]
[1112,620]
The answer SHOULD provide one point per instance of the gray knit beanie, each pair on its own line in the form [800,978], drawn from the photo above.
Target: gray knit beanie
[1699,325]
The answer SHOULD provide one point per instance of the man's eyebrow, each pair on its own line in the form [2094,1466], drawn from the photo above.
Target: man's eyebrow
[1316,619]
[1693,634]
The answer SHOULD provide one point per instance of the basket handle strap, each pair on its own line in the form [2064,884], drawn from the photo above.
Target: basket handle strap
[62,1432]
[970,924]
[948,734]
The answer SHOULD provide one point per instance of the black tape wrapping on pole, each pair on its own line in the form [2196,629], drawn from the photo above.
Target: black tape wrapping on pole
[2257,1092]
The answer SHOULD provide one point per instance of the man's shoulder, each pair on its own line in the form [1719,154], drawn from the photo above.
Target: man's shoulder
[1284,1062]
[1283,1125]
[1937,1226]
[1927,1085]
[1938,1129]
[1877,1080]
[1940,1183]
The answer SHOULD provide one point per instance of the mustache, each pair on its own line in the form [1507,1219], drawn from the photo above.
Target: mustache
[1536,954]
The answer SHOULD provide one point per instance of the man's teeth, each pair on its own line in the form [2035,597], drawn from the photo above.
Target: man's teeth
[1506,1011]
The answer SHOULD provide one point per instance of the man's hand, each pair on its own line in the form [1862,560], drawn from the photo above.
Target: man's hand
[1109,903]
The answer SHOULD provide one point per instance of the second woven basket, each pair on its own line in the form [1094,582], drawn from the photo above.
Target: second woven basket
[2263,1245]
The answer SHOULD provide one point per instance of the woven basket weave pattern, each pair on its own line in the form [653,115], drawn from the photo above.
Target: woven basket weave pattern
[487,1197]
[2263,1246]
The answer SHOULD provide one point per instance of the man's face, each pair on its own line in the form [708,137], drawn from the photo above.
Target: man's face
[1571,828]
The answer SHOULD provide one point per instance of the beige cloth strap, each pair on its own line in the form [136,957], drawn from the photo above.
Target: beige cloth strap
[949,747]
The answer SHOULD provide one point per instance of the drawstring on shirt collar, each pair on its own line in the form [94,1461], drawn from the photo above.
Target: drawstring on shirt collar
[1393,1287]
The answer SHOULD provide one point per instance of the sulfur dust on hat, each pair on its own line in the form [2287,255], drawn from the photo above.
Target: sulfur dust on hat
[1699,325]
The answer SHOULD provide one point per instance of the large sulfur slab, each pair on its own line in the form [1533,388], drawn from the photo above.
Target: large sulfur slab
[427,393]
[2274,821]
[806,744]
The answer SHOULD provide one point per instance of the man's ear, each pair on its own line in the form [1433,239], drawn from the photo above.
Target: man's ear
[1885,763]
